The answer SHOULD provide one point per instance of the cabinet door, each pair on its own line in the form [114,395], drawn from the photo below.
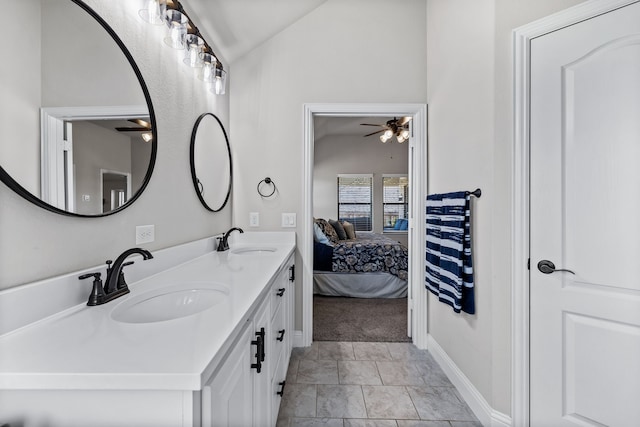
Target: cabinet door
[261,396]
[227,400]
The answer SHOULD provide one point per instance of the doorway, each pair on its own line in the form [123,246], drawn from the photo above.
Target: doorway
[416,304]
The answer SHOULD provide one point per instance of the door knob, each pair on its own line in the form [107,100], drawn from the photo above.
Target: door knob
[547,267]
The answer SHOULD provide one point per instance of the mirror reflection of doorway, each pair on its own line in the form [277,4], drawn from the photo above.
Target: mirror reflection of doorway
[115,189]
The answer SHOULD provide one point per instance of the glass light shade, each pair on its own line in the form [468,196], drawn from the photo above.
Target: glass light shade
[195,46]
[177,23]
[384,138]
[388,134]
[153,11]
[404,133]
[220,81]
[401,138]
[207,74]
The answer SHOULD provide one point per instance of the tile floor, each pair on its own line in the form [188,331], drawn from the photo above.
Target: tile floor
[360,384]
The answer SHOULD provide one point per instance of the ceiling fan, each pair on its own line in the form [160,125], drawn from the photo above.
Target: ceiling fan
[398,127]
[143,126]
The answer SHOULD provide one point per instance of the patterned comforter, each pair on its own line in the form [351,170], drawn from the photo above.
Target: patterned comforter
[370,253]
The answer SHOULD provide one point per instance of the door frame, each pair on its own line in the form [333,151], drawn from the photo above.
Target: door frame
[418,179]
[520,284]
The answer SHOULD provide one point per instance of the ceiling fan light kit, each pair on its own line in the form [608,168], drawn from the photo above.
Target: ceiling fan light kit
[398,127]
[184,35]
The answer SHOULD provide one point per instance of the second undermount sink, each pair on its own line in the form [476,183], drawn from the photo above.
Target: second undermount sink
[170,303]
[253,250]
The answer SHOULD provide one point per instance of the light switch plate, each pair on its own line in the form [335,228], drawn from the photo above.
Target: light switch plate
[288,220]
[145,234]
[254,219]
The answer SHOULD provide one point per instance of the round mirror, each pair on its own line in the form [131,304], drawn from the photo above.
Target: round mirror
[77,128]
[211,162]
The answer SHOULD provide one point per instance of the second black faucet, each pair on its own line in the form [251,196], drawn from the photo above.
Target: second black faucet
[223,243]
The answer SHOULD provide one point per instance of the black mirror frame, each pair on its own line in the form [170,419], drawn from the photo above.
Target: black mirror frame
[194,178]
[13,184]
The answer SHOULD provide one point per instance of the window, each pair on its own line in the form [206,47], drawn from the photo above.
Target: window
[395,202]
[354,200]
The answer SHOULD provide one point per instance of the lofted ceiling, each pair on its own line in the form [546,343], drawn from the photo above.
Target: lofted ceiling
[235,27]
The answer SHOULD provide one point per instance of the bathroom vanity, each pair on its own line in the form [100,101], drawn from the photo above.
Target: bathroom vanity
[205,342]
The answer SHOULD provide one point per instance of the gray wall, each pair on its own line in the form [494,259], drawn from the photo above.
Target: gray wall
[37,244]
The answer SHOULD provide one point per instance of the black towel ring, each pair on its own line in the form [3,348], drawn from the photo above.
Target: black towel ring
[267,181]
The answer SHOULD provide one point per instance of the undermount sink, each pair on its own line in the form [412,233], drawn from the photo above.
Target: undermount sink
[170,303]
[253,250]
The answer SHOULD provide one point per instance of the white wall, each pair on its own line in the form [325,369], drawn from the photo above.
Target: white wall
[337,53]
[20,99]
[470,145]
[338,154]
[36,243]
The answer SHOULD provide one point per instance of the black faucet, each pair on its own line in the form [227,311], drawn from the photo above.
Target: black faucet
[223,244]
[115,285]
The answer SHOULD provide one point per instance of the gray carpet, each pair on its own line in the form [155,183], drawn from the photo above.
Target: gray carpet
[358,319]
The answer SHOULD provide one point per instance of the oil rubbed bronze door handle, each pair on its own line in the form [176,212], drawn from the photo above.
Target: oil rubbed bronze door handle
[547,267]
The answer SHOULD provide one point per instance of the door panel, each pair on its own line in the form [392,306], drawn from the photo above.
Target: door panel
[585,196]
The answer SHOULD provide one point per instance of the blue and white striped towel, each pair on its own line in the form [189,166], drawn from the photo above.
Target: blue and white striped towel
[449,269]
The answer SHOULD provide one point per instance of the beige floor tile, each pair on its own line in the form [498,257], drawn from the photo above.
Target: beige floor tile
[317,372]
[371,351]
[360,372]
[341,401]
[440,403]
[389,402]
[400,373]
[335,351]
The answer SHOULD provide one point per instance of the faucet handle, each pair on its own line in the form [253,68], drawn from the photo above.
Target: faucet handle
[122,284]
[97,293]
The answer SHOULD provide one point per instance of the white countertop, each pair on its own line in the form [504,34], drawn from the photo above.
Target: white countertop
[84,348]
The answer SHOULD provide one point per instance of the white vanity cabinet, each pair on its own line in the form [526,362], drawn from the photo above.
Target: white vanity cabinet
[240,394]
[83,368]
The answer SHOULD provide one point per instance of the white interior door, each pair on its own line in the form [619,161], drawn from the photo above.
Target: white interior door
[585,201]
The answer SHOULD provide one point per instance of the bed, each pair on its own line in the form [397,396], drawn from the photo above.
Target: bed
[367,266]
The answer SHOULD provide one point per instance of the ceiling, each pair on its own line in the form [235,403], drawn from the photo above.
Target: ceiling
[235,27]
[329,126]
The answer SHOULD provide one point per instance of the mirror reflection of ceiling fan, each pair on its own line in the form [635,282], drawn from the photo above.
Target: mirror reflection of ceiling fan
[143,126]
[395,127]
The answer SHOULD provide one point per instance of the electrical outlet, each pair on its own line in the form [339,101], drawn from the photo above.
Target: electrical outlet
[145,234]
[254,219]
[288,220]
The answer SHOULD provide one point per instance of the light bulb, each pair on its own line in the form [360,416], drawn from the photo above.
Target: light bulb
[220,81]
[154,11]
[388,134]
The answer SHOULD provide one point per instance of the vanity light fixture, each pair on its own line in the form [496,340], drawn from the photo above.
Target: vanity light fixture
[154,11]
[183,34]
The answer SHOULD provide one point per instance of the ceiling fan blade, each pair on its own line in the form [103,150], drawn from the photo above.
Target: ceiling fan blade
[403,121]
[369,124]
[369,134]
[132,129]
[141,122]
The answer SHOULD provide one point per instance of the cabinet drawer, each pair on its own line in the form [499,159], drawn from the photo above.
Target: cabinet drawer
[278,385]
[279,294]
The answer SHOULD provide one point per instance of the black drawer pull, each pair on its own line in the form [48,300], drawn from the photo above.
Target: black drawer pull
[259,345]
[292,273]
[281,292]
[281,337]
[281,392]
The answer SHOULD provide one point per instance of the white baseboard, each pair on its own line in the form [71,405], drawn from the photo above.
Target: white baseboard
[298,340]
[488,416]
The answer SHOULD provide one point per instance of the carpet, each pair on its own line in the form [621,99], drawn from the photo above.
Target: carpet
[359,319]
